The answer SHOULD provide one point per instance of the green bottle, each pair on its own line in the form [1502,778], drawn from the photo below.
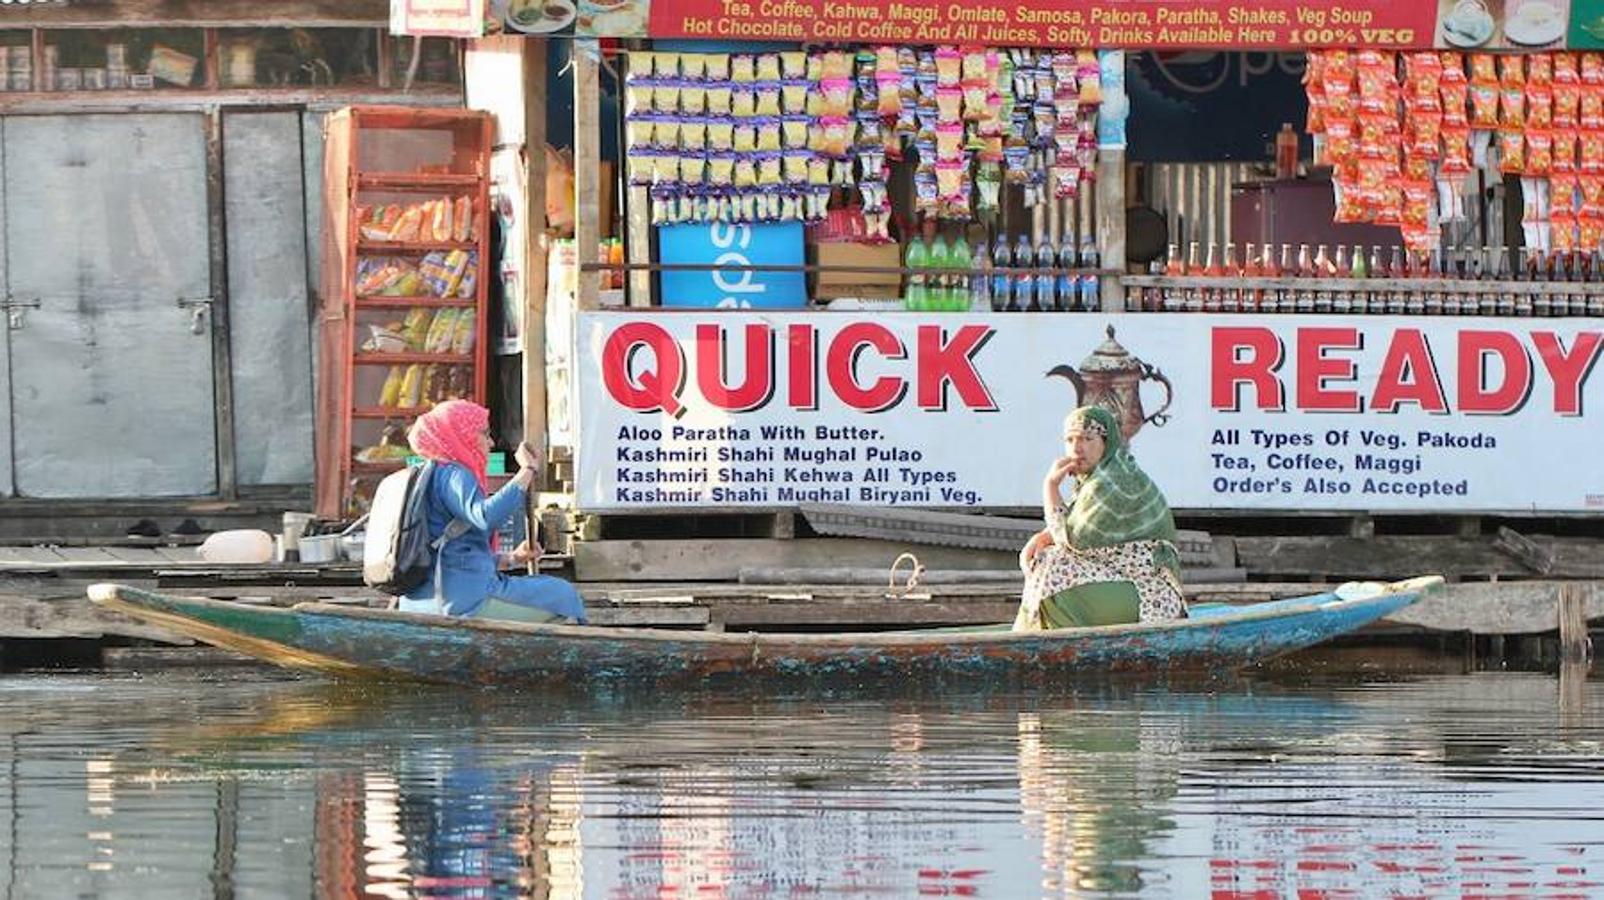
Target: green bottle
[917,261]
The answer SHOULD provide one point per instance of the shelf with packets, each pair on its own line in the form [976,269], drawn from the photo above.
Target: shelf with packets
[408,303]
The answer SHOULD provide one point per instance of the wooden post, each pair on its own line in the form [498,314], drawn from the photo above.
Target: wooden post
[537,248]
[222,350]
[1574,645]
[587,169]
[1111,224]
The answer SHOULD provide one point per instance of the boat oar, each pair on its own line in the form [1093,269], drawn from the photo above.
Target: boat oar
[531,534]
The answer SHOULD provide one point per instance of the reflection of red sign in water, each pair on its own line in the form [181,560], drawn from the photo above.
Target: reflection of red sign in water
[1224,24]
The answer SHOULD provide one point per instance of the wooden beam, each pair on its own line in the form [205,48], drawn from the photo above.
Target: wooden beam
[537,253]
[1110,200]
[1508,608]
[1574,644]
[1399,556]
[722,559]
[222,350]
[201,13]
[587,169]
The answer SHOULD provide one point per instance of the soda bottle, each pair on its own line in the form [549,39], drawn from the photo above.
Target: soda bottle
[1024,285]
[1091,284]
[1397,298]
[1194,294]
[1230,297]
[1322,269]
[958,258]
[1358,301]
[1046,286]
[1420,268]
[1375,301]
[916,261]
[1595,274]
[1212,296]
[1342,298]
[1002,283]
[1065,284]
[1303,300]
[1432,303]
[1252,267]
[980,279]
[1174,299]
[1286,298]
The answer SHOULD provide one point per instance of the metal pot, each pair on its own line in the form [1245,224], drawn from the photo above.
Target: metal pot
[351,544]
[322,548]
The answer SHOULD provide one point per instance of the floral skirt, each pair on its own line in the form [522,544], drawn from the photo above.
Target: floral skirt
[1059,569]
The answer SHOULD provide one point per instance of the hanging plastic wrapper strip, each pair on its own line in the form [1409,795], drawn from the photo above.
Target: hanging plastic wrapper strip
[767,137]
[1538,116]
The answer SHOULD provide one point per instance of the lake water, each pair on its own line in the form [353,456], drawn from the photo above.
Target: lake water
[244,782]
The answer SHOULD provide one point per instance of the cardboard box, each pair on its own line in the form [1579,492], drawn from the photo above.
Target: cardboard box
[868,285]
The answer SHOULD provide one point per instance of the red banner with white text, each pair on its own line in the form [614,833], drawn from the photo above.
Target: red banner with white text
[1134,24]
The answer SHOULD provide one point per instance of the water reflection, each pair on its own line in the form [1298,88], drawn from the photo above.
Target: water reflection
[186,786]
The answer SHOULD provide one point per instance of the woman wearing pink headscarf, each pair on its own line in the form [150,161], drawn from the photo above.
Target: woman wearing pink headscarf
[456,436]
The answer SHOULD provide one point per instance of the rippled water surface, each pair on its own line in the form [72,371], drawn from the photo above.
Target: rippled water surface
[248,783]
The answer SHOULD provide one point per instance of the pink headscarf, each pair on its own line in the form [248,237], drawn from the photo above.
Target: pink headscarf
[450,433]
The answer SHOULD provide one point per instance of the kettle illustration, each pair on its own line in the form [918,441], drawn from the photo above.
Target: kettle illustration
[1112,378]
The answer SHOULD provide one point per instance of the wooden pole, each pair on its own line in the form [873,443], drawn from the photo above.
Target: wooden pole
[587,169]
[537,251]
[1574,644]
[1111,224]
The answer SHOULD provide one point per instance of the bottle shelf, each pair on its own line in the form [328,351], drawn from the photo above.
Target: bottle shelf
[1370,285]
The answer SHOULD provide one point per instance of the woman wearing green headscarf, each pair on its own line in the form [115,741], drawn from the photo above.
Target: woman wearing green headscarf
[1107,557]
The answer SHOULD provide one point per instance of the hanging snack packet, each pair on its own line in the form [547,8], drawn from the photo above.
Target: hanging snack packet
[1591,153]
[1483,67]
[720,135]
[1089,72]
[1511,152]
[1567,104]
[1484,104]
[1591,107]
[744,136]
[1540,106]
[1512,70]
[1539,152]
[693,168]
[1512,104]
[1565,144]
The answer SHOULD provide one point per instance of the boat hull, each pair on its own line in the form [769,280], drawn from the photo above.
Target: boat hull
[385,645]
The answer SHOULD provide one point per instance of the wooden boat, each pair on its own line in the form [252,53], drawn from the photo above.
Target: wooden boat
[380,644]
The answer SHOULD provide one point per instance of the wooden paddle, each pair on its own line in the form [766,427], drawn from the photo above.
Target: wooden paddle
[531,532]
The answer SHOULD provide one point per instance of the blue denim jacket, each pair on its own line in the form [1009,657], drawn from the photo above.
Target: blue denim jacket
[469,566]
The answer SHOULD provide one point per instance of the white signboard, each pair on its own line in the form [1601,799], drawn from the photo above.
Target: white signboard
[1225,412]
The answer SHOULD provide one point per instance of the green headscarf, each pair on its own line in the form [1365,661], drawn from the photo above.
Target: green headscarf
[1116,502]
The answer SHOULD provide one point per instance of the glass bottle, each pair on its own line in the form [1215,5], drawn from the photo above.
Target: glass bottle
[1252,267]
[1397,296]
[1174,267]
[1303,301]
[1194,294]
[1342,298]
[1286,297]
